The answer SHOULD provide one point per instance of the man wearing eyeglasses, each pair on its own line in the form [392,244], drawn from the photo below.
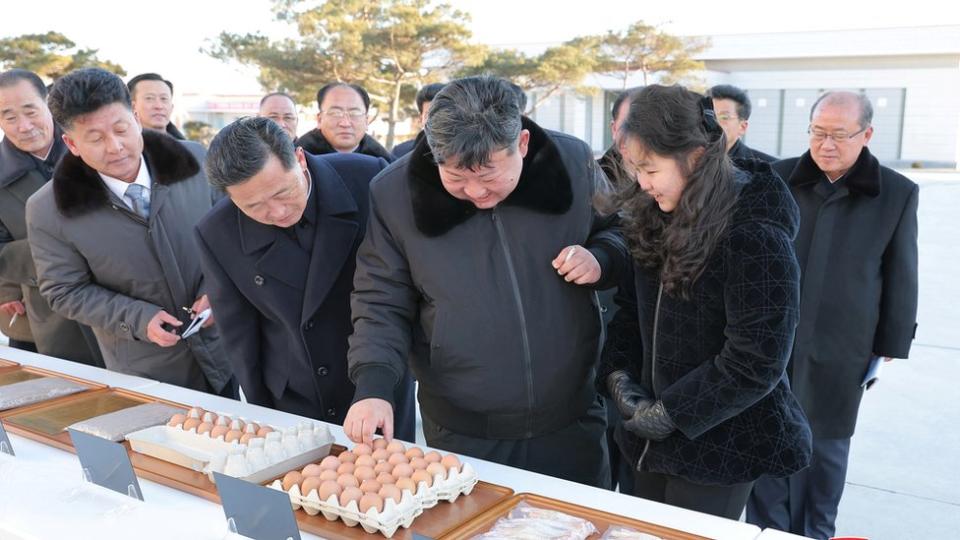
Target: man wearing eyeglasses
[857,249]
[732,106]
[342,123]
[280,107]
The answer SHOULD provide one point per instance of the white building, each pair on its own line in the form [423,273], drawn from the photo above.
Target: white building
[912,76]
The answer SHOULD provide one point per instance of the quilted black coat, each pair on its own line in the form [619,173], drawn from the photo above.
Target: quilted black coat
[718,360]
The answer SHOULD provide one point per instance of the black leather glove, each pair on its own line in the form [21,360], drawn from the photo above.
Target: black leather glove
[650,421]
[626,393]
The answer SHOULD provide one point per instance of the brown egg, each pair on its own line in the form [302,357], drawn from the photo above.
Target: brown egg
[204,427]
[422,476]
[407,484]
[218,431]
[390,492]
[365,460]
[251,428]
[369,501]
[379,444]
[386,478]
[232,435]
[348,480]
[209,417]
[347,457]
[262,432]
[450,461]
[245,438]
[382,467]
[436,469]
[176,420]
[330,462]
[309,484]
[364,473]
[413,452]
[362,449]
[327,489]
[380,454]
[402,470]
[291,478]
[396,459]
[396,446]
[346,468]
[370,486]
[327,474]
[418,463]
[350,494]
[433,457]
[191,423]
[312,470]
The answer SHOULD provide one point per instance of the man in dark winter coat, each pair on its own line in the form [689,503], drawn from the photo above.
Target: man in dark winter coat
[278,260]
[857,248]
[733,108]
[610,160]
[478,268]
[31,147]
[424,97]
[342,123]
[112,237]
[152,99]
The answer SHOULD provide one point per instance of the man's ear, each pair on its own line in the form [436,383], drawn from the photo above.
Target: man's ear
[67,140]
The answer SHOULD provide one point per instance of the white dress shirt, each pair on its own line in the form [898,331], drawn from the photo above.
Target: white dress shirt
[119,187]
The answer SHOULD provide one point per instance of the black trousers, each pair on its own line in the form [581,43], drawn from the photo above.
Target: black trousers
[723,501]
[577,452]
[805,503]
[28,346]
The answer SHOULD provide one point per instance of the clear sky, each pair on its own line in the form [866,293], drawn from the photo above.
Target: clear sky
[166,36]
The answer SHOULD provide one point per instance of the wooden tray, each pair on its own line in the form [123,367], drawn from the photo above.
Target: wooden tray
[8,362]
[18,373]
[15,374]
[601,520]
[433,523]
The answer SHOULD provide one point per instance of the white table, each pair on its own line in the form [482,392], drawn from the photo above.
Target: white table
[31,512]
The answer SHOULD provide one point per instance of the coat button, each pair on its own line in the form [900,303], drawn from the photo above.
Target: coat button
[308,325]
[124,327]
[331,412]
[258,280]
[323,371]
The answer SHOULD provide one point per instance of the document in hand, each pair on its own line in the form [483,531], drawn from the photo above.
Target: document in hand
[196,323]
[873,372]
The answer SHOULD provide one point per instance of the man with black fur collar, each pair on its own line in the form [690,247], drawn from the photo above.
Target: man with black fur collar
[112,236]
[479,265]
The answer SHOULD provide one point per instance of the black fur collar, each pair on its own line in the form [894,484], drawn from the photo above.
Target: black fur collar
[863,177]
[78,188]
[544,185]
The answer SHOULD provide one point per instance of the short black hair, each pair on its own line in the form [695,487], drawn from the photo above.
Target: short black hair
[132,85]
[427,93]
[241,150]
[84,91]
[728,91]
[13,76]
[628,93]
[272,94]
[321,93]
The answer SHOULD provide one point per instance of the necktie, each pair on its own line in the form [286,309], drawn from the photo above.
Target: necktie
[140,198]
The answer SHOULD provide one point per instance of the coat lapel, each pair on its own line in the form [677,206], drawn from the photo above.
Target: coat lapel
[336,233]
[281,258]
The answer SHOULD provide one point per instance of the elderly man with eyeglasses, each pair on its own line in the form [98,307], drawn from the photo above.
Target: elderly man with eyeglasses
[342,123]
[857,249]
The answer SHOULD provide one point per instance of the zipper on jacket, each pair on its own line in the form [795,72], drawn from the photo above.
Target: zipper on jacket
[527,360]
[653,365]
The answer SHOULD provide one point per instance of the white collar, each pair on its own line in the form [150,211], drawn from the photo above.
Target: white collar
[119,187]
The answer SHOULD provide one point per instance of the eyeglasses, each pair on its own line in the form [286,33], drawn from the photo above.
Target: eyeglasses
[839,137]
[727,117]
[337,114]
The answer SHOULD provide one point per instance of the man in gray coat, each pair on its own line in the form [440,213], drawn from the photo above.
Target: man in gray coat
[479,265]
[112,236]
[30,149]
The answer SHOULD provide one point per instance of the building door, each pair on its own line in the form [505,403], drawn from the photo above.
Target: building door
[763,132]
[794,139]
[887,122]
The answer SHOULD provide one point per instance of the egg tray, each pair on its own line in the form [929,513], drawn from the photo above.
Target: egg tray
[394,515]
[165,443]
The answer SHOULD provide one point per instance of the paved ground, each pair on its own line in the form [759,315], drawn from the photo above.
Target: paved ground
[904,478]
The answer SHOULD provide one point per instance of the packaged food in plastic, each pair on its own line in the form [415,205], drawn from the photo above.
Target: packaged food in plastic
[36,390]
[619,532]
[530,522]
[118,424]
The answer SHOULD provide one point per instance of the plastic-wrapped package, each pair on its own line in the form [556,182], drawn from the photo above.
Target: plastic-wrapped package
[529,522]
[618,532]
[36,390]
[117,425]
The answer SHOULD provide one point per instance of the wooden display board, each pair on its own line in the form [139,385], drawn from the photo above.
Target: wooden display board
[601,520]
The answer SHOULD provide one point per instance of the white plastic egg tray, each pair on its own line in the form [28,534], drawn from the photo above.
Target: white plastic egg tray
[258,460]
[394,515]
